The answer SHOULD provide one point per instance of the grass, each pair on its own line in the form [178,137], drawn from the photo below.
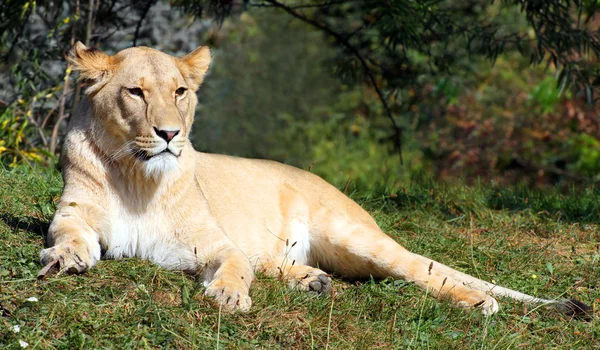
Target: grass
[545,244]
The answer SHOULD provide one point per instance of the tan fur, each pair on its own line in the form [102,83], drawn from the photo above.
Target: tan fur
[218,217]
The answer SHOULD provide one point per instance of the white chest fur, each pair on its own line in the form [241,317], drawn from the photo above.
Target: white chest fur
[148,235]
[298,244]
[141,222]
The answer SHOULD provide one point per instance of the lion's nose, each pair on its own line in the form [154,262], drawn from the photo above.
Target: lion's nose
[166,135]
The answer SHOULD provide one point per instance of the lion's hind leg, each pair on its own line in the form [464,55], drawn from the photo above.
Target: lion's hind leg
[358,250]
[301,277]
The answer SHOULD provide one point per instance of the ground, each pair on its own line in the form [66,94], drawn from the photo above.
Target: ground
[540,242]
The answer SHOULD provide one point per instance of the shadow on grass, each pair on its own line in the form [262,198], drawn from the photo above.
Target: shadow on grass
[574,207]
[451,201]
[27,223]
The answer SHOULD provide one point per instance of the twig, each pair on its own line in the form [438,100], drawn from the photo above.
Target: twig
[61,110]
[342,40]
[29,115]
[46,118]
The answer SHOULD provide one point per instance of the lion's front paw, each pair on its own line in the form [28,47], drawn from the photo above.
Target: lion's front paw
[66,258]
[230,297]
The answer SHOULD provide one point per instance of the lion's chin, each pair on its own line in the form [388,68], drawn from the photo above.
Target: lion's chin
[160,165]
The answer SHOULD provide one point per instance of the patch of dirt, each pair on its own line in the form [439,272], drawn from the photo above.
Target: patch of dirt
[166,299]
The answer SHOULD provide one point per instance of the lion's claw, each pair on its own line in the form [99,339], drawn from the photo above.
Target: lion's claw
[229,297]
[64,259]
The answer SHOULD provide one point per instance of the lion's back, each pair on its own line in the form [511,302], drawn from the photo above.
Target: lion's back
[261,191]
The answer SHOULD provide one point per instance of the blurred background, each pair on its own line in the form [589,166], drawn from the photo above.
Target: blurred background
[368,94]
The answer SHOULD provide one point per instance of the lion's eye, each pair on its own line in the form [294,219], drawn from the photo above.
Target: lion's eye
[136,92]
[179,92]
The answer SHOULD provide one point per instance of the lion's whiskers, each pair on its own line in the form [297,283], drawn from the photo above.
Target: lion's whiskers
[121,152]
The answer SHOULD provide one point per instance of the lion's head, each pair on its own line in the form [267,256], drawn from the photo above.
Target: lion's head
[143,102]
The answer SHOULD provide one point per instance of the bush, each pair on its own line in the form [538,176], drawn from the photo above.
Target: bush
[512,121]
[15,135]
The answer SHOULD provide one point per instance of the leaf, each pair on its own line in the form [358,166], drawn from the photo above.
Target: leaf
[550,268]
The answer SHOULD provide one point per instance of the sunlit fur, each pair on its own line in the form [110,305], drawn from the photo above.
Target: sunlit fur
[129,193]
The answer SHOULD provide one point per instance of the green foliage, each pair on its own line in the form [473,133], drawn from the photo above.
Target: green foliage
[512,122]
[586,149]
[546,95]
[342,150]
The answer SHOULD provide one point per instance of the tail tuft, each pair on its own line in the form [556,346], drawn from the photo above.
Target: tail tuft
[575,309]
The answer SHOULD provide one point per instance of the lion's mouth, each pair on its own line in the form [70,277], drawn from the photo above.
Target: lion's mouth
[145,156]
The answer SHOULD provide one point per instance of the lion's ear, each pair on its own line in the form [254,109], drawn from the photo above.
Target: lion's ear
[93,65]
[194,65]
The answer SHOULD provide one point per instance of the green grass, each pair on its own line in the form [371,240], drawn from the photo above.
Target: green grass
[505,235]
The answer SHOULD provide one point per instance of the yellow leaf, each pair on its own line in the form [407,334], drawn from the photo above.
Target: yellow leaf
[33,156]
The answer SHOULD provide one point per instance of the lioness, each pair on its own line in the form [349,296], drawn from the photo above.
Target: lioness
[135,187]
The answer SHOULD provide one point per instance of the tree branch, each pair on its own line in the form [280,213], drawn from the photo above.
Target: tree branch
[344,41]
[88,36]
[90,23]
[61,111]
[142,18]
[307,6]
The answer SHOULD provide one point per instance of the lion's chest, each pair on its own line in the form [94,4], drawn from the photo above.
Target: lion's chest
[149,235]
